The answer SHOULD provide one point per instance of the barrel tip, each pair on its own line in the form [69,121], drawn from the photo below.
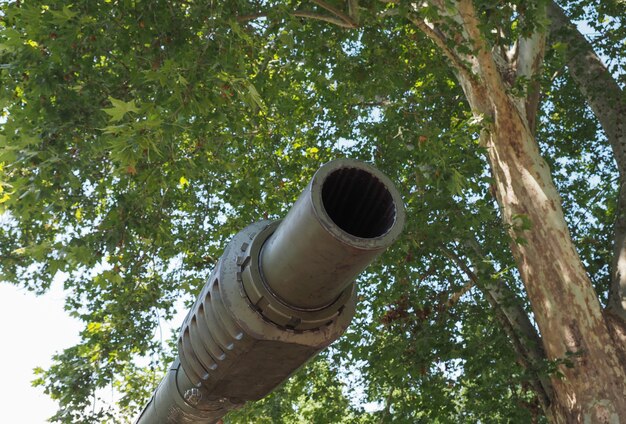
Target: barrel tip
[358,203]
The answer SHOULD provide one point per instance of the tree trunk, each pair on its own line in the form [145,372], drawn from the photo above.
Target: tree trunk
[588,373]
[589,380]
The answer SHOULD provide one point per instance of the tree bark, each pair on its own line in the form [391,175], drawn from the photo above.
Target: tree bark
[591,381]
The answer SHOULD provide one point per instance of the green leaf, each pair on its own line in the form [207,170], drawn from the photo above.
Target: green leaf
[61,17]
[255,97]
[119,109]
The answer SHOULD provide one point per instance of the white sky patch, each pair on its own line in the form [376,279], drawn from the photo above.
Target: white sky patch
[32,329]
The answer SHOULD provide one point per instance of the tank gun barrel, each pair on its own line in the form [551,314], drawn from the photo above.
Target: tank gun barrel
[281,292]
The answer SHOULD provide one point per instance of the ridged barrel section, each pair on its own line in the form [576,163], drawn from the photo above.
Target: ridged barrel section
[208,337]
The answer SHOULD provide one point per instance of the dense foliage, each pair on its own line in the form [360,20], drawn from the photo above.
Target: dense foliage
[139,136]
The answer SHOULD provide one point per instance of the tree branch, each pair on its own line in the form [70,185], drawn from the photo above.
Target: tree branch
[617,290]
[335,21]
[608,102]
[529,60]
[456,296]
[441,41]
[338,13]
[526,341]
[251,17]
[339,19]
[471,24]
[301,14]
[604,95]
[530,51]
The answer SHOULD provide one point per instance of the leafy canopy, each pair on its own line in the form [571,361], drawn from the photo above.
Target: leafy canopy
[139,136]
